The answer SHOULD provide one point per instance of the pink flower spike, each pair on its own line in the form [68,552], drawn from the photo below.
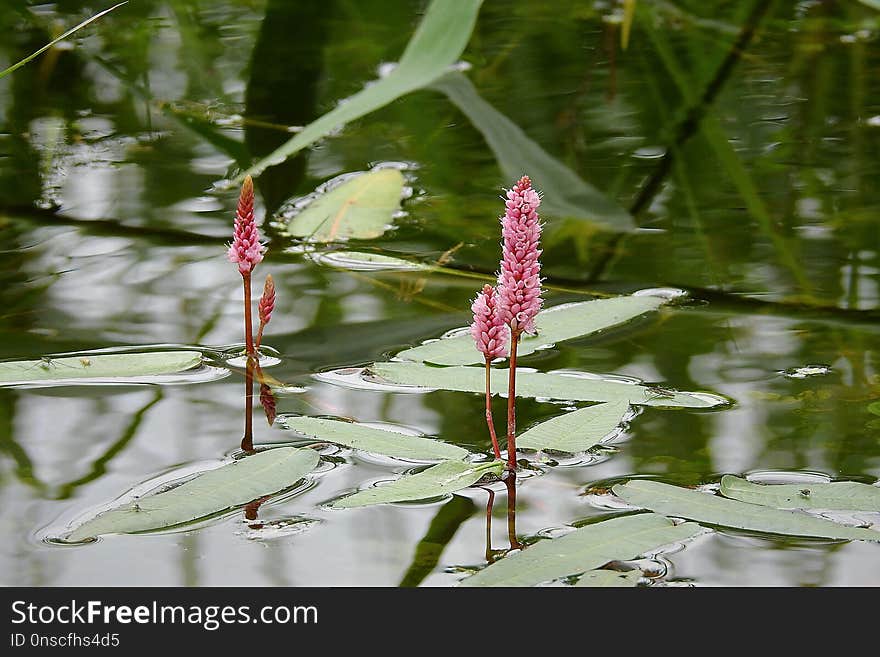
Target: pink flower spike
[519,283]
[267,301]
[246,249]
[487,329]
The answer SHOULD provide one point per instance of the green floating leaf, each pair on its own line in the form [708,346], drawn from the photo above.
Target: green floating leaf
[377,441]
[361,207]
[565,193]
[565,322]
[97,366]
[226,487]
[613,578]
[362,261]
[437,43]
[838,495]
[536,384]
[440,479]
[873,4]
[714,510]
[576,431]
[584,549]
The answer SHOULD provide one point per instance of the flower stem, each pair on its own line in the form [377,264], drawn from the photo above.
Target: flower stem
[248,324]
[511,402]
[259,337]
[489,420]
[510,482]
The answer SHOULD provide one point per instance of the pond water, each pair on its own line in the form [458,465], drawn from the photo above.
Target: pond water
[728,152]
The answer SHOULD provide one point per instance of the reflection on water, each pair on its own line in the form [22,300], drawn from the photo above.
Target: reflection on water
[745,145]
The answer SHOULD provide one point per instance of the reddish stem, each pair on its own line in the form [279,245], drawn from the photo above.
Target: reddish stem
[511,402]
[489,420]
[489,556]
[259,337]
[248,323]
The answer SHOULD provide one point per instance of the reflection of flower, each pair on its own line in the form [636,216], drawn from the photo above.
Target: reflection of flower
[246,248]
[267,399]
[519,283]
[487,329]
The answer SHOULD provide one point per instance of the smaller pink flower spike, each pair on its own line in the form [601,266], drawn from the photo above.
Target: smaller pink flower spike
[267,301]
[488,329]
[246,249]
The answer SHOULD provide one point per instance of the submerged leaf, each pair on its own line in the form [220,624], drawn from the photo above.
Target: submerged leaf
[838,495]
[602,578]
[361,207]
[229,486]
[440,479]
[535,384]
[565,322]
[377,441]
[565,193]
[437,43]
[715,510]
[97,366]
[576,431]
[583,549]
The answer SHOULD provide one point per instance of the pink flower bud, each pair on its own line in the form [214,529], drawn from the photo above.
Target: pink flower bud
[246,248]
[487,329]
[519,283]
[267,301]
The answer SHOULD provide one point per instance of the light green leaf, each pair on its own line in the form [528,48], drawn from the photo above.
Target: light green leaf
[362,261]
[565,322]
[565,194]
[361,207]
[535,384]
[371,439]
[873,4]
[226,487]
[838,495]
[584,549]
[715,510]
[613,578]
[437,43]
[576,431]
[440,479]
[97,366]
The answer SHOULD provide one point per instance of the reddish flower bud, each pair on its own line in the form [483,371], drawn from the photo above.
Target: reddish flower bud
[267,301]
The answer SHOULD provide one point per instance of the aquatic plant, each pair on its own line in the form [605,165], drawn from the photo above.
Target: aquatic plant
[247,251]
[519,284]
[265,308]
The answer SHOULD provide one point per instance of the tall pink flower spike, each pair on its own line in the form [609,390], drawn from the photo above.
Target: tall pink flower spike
[247,251]
[519,284]
[490,338]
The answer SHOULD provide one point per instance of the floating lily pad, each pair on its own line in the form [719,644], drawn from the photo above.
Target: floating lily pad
[377,441]
[583,549]
[715,510]
[575,431]
[440,479]
[226,487]
[97,366]
[838,495]
[361,207]
[536,384]
[363,261]
[565,322]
